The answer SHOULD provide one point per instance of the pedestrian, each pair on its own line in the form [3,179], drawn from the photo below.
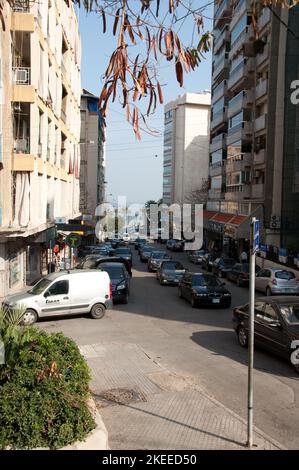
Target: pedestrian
[244,257]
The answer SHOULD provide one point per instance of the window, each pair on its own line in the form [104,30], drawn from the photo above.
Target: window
[264,273]
[286,275]
[270,313]
[238,29]
[259,309]
[59,288]
[235,120]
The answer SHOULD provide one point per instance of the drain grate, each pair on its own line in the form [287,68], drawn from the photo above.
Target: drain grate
[119,396]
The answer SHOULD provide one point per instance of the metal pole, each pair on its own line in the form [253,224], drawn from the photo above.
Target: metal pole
[251,335]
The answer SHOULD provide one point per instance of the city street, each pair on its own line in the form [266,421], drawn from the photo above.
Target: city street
[158,332]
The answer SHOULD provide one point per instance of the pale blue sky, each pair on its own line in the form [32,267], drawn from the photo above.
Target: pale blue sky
[133,169]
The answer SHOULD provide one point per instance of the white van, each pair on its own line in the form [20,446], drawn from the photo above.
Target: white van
[65,293]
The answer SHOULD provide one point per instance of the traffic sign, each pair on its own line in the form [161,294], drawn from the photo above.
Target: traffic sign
[256,235]
[73,240]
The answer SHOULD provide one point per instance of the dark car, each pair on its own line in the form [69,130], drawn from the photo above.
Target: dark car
[94,262]
[139,242]
[145,253]
[239,273]
[170,272]
[196,256]
[124,253]
[222,265]
[208,260]
[170,244]
[204,290]
[155,260]
[120,281]
[276,326]
[114,242]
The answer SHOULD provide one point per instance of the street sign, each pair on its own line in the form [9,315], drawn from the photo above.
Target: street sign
[73,240]
[256,235]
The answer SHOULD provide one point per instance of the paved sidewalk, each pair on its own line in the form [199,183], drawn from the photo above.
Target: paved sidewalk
[146,406]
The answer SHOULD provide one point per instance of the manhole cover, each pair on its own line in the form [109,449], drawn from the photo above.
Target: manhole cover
[118,396]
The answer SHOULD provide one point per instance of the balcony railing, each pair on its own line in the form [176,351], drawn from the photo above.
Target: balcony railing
[21,75]
[217,169]
[220,64]
[241,101]
[220,117]
[219,142]
[239,10]
[20,6]
[263,56]
[238,163]
[261,89]
[48,154]
[223,36]
[242,131]
[260,123]
[236,192]
[219,91]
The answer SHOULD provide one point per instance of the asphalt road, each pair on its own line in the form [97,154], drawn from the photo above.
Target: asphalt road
[199,344]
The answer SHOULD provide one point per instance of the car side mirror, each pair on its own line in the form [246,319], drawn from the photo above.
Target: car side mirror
[46,294]
[276,324]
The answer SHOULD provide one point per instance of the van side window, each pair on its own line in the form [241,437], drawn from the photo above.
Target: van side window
[59,288]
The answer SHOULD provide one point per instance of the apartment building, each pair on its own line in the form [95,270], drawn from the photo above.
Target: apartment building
[40,152]
[92,144]
[186,146]
[253,156]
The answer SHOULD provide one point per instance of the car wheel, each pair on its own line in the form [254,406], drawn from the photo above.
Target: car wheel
[193,303]
[29,317]
[98,311]
[242,337]
[268,291]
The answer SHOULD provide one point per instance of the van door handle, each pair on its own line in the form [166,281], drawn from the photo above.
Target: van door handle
[65,298]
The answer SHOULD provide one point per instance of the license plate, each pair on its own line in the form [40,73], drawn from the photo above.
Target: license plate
[216,301]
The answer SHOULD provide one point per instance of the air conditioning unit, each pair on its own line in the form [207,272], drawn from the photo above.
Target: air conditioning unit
[275,222]
[22,76]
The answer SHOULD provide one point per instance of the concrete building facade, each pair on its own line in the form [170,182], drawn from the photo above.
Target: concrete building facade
[92,143]
[186,146]
[40,164]
[249,120]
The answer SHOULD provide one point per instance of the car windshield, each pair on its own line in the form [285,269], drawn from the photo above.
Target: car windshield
[158,255]
[290,314]
[115,272]
[122,251]
[40,287]
[204,281]
[286,275]
[147,248]
[172,266]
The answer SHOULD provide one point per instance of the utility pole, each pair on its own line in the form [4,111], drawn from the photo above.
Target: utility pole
[254,245]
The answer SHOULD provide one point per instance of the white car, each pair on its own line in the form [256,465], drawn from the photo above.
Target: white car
[126,237]
[276,282]
[65,293]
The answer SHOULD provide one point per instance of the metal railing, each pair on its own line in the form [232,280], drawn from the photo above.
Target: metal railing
[21,75]
[20,6]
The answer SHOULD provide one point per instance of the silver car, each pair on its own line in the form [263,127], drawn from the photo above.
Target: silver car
[276,281]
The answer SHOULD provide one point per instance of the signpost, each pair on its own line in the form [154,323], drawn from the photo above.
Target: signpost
[254,247]
[73,240]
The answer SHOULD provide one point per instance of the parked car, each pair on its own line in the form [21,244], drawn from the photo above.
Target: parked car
[65,293]
[139,242]
[196,256]
[114,242]
[94,262]
[222,265]
[207,261]
[155,260]
[100,250]
[170,272]
[276,325]
[126,237]
[178,245]
[277,281]
[145,253]
[204,290]
[124,253]
[170,244]
[120,280]
[239,273]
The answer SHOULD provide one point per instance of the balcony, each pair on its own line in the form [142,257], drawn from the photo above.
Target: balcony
[241,101]
[217,169]
[215,194]
[219,118]
[221,39]
[257,191]
[262,57]
[21,18]
[239,43]
[222,12]
[239,10]
[237,192]
[220,67]
[264,19]
[259,157]
[238,163]
[260,123]
[22,146]
[218,143]
[240,76]
[219,91]
[261,89]
[242,131]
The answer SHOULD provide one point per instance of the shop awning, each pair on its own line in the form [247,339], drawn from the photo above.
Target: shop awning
[234,226]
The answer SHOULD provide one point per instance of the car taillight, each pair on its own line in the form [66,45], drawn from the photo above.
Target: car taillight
[274,282]
[297,280]
[110,290]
